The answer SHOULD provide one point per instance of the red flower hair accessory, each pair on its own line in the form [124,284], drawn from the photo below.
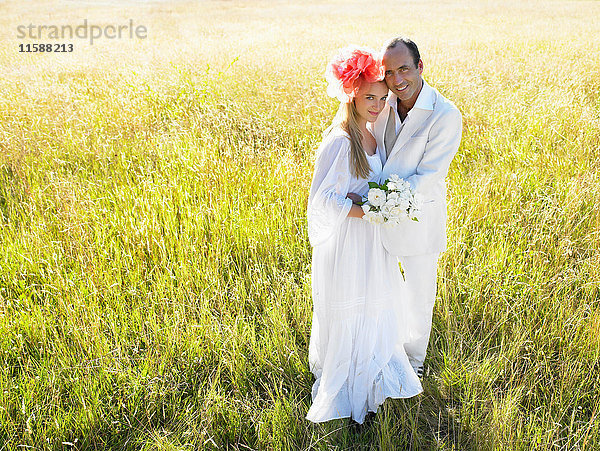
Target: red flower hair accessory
[345,70]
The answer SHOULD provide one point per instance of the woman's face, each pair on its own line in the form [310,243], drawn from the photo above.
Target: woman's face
[370,100]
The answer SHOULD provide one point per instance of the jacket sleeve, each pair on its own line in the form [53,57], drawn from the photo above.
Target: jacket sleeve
[442,145]
[327,202]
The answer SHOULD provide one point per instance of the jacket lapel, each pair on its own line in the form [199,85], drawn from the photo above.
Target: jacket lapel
[418,115]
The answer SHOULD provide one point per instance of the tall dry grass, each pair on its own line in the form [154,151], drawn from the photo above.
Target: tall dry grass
[155,269]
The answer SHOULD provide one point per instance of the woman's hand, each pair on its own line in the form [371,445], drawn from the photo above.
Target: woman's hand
[356,212]
[354,197]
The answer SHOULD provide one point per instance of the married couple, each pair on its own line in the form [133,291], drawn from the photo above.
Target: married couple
[371,322]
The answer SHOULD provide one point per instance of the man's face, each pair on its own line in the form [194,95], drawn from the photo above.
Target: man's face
[401,75]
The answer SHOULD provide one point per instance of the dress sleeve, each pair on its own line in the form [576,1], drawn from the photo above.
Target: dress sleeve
[327,202]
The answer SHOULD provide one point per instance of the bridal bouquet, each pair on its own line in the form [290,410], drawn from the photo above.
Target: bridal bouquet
[392,202]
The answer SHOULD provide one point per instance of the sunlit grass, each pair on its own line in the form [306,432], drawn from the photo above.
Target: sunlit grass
[155,268]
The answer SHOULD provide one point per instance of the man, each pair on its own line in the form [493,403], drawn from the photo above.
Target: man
[419,133]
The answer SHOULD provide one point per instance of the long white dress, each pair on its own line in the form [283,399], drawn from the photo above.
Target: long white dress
[359,326]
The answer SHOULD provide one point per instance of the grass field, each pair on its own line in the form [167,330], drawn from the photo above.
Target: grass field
[155,266]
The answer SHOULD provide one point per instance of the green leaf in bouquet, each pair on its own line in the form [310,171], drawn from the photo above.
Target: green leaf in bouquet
[373,185]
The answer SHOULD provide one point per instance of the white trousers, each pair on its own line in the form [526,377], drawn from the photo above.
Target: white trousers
[419,290]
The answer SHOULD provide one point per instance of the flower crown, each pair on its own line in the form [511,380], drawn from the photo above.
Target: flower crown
[344,71]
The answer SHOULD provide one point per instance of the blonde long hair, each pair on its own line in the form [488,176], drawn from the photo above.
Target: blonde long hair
[359,165]
[346,118]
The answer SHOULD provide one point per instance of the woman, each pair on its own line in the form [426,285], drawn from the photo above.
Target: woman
[356,346]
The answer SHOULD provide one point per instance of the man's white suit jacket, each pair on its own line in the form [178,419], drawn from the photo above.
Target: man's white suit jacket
[421,155]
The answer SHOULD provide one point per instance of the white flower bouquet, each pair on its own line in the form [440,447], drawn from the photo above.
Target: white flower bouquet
[392,202]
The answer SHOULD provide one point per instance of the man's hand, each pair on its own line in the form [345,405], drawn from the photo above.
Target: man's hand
[356,199]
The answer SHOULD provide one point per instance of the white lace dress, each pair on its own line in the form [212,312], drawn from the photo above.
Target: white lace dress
[359,326]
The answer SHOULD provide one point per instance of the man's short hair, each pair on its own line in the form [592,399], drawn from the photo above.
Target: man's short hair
[412,47]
